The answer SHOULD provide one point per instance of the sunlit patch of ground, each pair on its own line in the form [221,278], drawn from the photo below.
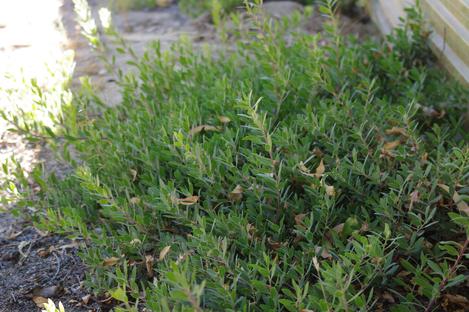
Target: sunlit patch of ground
[32,42]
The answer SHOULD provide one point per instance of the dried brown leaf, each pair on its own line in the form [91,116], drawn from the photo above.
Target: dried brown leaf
[86,299]
[389,146]
[202,128]
[42,252]
[317,151]
[320,169]
[388,297]
[110,261]
[323,252]
[458,300]
[191,200]
[135,200]
[330,190]
[236,194]
[46,292]
[149,260]
[40,301]
[396,131]
[364,227]
[15,235]
[135,242]
[414,198]
[224,119]
[163,253]
[304,169]
[299,218]
[133,173]
[251,231]
[273,244]
[460,203]
[72,245]
[338,228]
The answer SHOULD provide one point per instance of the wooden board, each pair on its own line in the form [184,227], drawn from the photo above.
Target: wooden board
[448,20]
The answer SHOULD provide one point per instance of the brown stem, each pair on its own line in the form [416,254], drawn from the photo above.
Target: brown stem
[452,270]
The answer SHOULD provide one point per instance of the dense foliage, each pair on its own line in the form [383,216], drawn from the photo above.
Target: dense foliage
[296,172]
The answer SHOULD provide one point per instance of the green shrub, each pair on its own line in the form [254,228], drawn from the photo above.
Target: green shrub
[198,7]
[283,175]
[125,5]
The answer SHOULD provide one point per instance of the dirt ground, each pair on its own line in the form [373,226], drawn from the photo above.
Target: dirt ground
[35,264]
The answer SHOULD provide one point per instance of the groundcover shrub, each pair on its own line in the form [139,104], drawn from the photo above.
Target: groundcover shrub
[284,174]
[199,7]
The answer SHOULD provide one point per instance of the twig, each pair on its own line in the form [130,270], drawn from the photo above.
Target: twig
[58,265]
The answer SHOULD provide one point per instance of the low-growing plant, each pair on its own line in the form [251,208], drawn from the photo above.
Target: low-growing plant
[296,172]
[198,7]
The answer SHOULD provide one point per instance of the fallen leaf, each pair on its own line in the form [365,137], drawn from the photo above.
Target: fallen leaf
[135,242]
[184,256]
[320,169]
[338,228]
[388,297]
[458,300]
[316,263]
[191,200]
[304,169]
[424,157]
[133,173]
[364,227]
[86,299]
[224,119]
[46,292]
[135,200]
[149,260]
[460,203]
[42,252]
[236,194]
[14,235]
[110,261]
[203,128]
[396,131]
[251,230]
[414,198]
[330,190]
[40,301]
[299,218]
[163,253]
[323,252]
[431,112]
[389,146]
[317,151]
[273,244]
[72,245]
[403,274]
